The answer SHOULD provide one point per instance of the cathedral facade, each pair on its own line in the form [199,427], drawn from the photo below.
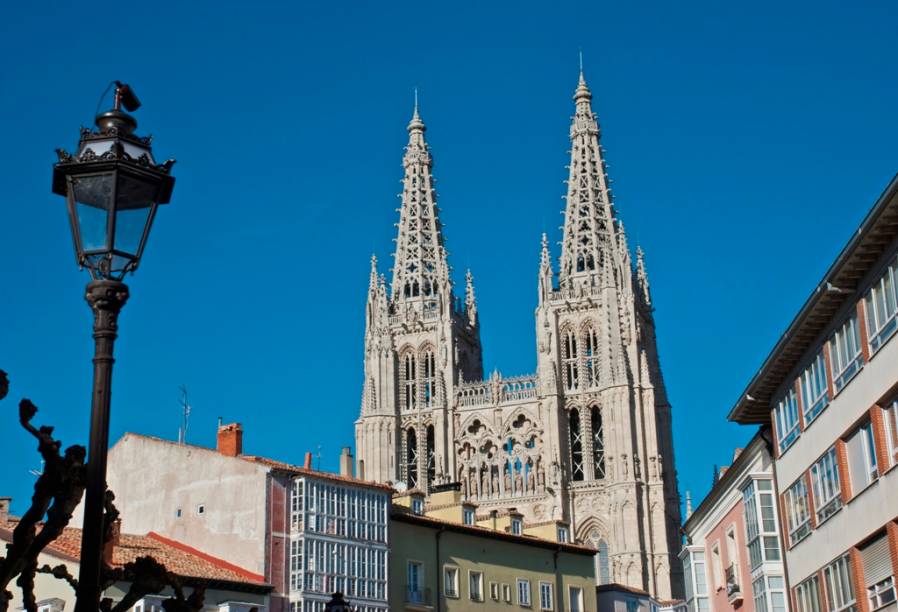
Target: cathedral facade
[587,439]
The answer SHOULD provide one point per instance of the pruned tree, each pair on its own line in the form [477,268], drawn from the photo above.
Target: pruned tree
[57,492]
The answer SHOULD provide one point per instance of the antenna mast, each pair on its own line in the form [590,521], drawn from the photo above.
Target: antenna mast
[185,408]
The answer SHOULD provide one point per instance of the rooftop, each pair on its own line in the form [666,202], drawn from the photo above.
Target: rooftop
[839,284]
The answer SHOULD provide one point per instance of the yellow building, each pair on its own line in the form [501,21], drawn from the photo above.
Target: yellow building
[445,557]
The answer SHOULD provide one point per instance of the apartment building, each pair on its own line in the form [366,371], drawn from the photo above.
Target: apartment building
[445,557]
[307,533]
[732,558]
[828,392]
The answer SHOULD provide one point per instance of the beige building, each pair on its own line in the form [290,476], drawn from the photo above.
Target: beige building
[829,390]
[445,557]
[586,439]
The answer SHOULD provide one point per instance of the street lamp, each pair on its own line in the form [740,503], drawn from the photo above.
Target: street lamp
[112,187]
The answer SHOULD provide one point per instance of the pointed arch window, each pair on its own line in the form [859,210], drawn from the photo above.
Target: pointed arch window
[598,444]
[410,465]
[569,359]
[410,387]
[576,445]
[591,356]
[429,381]
[431,458]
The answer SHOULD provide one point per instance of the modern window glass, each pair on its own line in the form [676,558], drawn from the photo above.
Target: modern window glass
[861,452]
[450,581]
[807,595]
[797,511]
[786,415]
[881,307]
[839,586]
[523,592]
[761,531]
[769,593]
[814,390]
[845,352]
[475,586]
[546,596]
[825,480]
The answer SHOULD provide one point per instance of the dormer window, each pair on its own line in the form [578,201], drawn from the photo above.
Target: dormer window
[562,534]
[468,516]
[517,526]
[417,505]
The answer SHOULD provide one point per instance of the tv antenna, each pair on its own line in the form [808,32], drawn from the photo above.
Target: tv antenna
[319,458]
[185,409]
[40,472]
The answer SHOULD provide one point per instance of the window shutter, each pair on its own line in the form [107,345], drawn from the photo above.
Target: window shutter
[877,560]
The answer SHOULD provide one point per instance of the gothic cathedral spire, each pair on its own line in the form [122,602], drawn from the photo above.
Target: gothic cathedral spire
[589,245]
[420,271]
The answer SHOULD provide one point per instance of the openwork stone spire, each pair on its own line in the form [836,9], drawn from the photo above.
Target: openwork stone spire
[470,298]
[420,272]
[589,241]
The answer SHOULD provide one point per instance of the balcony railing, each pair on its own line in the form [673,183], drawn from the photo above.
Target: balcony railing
[417,595]
[734,591]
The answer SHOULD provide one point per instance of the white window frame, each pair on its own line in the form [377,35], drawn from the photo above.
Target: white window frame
[870,458]
[450,579]
[825,483]
[546,596]
[575,598]
[807,595]
[517,526]
[836,576]
[876,593]
[787,424]
[890,421]
[506,592]
[524,598]
[797,511]
[814,389]
[475,578]
[468,516]
[845,352]
[881,304]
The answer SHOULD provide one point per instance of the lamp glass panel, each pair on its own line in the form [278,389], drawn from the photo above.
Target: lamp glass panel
[93,199]
[134,201]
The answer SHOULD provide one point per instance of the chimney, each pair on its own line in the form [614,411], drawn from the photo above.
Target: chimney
[346,462]
[4,509]
[230,439]
[307,464]
[109,548]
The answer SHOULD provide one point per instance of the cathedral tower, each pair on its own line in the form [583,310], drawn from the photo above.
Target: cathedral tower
[420,341]
[587,438]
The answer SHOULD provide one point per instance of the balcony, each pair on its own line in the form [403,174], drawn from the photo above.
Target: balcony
[734,591]
[417,598]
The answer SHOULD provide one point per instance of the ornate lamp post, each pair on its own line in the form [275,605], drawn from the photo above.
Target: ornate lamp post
[112,187]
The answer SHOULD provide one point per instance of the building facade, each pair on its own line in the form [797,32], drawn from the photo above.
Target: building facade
[308,533]
[829,391]
[587,438]
[732,557]
[446,557]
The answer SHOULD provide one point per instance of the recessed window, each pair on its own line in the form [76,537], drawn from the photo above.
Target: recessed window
[546,596]
[516,526]
[839,585]
[786,416]
[882,306]
[562,534]
[450,581]
[807,595]
[494,591]
[201,509]
[468,516]
[576,598]
[825,479]
[418,505]
[506,593]
[845,351]
[890,418]
[797,514]
[523,592]
[861,452]
[475,586]
[178,513]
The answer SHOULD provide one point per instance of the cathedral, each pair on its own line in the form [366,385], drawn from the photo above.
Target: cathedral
[587,438]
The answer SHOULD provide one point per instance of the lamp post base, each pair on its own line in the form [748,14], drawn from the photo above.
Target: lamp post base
[106,299]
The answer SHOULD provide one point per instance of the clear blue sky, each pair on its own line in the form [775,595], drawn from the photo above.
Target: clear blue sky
[746,142]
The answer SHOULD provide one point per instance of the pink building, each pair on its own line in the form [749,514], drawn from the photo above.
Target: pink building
[732,559]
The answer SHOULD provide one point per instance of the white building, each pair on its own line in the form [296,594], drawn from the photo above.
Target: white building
[587,438]
[829,390]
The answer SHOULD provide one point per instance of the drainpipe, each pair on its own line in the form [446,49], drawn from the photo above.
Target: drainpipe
[438,573]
